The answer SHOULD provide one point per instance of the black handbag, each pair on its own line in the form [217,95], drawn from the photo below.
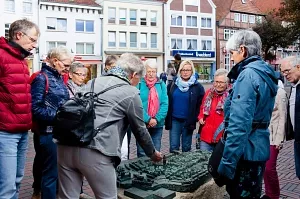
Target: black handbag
[74,124]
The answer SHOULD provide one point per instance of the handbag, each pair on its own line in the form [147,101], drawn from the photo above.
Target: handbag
[74,123]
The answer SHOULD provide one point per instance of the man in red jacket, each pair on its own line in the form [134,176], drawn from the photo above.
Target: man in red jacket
[15,104]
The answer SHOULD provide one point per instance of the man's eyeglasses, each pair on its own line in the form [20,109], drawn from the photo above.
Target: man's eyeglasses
[80,74]
[31,39]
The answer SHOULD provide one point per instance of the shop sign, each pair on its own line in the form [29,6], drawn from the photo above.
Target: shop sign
[195,53]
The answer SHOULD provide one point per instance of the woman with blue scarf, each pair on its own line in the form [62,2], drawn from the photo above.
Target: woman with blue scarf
[185,97]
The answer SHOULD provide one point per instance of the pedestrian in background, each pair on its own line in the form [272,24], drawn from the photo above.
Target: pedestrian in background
[212,111]
[153,92]
[171,73]
[185,97]
[15,104]
[44,107]
[177,62]
[248,110]
[277,136]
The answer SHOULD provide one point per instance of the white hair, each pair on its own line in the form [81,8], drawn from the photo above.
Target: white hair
[221,72]
[247,38]
[59,52]
[131,64]
[151,63]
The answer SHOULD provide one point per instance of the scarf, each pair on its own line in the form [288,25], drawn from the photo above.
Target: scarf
[153,102]
[184,86]
[117,71]
[208,100]
[74,88]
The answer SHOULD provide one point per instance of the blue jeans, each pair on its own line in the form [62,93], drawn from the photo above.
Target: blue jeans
[49,168]
[156,134]
[206,147]
[13,148]
[178,130]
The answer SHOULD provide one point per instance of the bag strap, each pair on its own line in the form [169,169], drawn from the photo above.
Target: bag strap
[110,88]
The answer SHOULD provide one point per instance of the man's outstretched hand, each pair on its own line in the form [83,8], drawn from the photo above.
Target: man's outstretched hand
[157,156]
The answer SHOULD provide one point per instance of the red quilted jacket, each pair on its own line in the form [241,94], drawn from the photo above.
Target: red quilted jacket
[15,97]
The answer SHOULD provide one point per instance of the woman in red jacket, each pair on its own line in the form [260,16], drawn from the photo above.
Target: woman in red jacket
[211,111]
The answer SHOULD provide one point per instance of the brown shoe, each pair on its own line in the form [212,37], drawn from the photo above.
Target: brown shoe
[36,195]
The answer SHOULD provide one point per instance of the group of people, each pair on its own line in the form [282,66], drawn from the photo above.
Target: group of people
[250,115]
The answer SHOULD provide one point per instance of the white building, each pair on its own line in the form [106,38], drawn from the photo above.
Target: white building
[190,30]
[12,10]
[134,26]
[75,24]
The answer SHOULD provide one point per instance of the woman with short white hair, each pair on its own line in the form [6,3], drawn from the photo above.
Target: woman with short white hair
[77,75]
[153,93]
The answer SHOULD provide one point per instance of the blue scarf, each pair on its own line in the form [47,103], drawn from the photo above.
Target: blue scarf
[184,86]
[117,71]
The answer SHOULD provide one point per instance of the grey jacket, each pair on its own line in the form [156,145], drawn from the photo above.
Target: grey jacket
[115,110]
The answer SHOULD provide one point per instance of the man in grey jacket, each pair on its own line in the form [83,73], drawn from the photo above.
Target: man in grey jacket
[115,110]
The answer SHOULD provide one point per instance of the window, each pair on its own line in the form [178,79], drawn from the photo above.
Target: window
[6,29]
[85,48]
[111,15]
[192,2]
[191,21]
[227,61]
[205,22]
[27,6]
[54,44]
[237,17]
[122,38]
[153,18]
[9,5]
[122,13]
[176,43]
[143,40]
[112,39]
[132,17]
[232,32]
[191,44]
[176,20]
[57,24]
[143,17]
[206,45]
[153,40]
[133,39]
[244,18]
[226,34]
[258,19]
[84,26]
[251,19]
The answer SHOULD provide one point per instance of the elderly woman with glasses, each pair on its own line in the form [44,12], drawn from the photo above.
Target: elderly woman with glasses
[185,96]
[77,75]
[155,104]
[248,110]
[212,111]
[48,94]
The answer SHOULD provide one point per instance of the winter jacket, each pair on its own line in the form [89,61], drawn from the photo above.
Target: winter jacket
[297,131]
[212,121]
[279,118]
[196,93]
[249,104]
[45,105]
[115,110]
[15,97]
[161,90]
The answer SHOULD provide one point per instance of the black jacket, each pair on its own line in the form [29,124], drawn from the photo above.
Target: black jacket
[196,92]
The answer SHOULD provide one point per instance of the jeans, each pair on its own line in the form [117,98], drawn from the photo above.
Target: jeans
[178,130]
[49,159]
[206,147]
[271,180]
[156,134]
[37,164]
[13,148]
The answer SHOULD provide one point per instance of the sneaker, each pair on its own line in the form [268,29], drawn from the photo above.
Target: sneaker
[36,195]
[84,196]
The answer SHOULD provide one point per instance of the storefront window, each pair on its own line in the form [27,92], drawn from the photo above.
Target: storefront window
[92,72]
[204,71]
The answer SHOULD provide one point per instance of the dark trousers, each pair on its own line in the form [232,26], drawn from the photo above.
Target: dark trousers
[37,165]
[247,182]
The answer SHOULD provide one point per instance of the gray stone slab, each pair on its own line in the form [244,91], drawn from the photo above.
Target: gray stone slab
[136,193]
[163,193]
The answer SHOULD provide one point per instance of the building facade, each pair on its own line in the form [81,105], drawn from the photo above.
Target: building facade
[76,24]
[12,10]
[190,31]
[233,15]
[134,26]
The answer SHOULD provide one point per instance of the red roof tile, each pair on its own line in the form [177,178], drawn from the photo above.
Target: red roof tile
[267,5]
[75,2]
[223,8]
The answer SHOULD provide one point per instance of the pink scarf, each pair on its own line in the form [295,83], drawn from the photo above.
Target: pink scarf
[153,102]
[213,93]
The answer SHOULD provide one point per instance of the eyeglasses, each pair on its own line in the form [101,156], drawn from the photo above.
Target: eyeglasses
[149,72]
[65,65]
[31,39]
[219,82]
[80,74]
[286,72]
[185,70]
